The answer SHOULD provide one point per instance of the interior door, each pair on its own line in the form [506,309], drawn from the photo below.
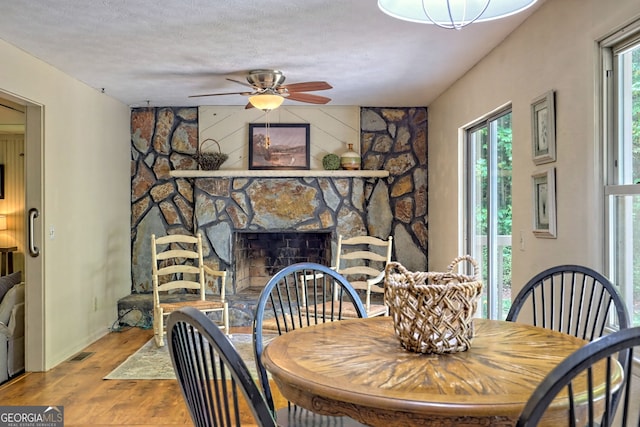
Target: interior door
[27,229]
[34,265]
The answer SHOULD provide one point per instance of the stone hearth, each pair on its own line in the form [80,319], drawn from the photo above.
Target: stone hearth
[137,309]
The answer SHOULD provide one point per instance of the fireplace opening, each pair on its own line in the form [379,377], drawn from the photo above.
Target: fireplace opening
[260,255]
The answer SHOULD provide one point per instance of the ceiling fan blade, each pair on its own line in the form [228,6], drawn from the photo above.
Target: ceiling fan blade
[307,86]
[217,94]
[307,97]
[240,82]
[249,105]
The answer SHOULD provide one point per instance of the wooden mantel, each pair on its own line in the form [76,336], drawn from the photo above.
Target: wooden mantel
[237,173]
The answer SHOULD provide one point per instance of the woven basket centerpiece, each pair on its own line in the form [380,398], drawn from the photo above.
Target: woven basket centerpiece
[433,311]
[210,161]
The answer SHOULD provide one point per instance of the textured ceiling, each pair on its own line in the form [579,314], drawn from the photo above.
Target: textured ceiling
[157,53]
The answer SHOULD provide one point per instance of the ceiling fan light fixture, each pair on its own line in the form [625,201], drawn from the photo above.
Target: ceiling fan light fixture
[452,14]
[266,101]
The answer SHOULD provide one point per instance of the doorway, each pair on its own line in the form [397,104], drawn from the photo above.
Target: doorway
[22,203]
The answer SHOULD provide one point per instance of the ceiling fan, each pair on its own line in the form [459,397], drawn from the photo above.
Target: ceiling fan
[269,91]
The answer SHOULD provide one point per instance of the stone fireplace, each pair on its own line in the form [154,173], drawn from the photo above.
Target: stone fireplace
[255,225]
[258,256]
[170,195]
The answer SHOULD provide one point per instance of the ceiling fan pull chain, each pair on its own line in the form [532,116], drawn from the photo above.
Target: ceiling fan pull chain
[267,140]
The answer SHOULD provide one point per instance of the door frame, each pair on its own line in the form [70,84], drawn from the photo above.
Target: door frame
[35,308]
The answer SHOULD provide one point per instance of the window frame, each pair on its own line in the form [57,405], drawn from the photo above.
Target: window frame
[610,47]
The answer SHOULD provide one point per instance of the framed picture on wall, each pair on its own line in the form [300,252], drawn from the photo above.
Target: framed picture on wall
[279,146]
[544,203]
[543,128]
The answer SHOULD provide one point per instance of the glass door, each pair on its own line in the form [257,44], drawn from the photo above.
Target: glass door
[489,209]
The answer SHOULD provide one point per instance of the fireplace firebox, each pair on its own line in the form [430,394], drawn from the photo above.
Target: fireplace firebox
[257,256]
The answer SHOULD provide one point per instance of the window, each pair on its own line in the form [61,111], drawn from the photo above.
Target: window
[488,217]
[621,120]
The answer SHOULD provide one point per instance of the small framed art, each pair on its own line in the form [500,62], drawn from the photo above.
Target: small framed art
[544,203]
[543,128]
[279,146]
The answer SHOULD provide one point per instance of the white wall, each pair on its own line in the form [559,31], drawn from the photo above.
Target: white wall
[555,48]
[86,198]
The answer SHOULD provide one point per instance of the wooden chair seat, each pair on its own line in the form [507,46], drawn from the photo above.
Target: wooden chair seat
[197,304]
[348,312]
[272,324]
[285,321]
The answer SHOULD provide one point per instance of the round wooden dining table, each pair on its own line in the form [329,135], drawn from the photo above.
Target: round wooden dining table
[358,368]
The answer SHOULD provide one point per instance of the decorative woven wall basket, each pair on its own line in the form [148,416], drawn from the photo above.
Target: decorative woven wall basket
[433,311]
[211,161]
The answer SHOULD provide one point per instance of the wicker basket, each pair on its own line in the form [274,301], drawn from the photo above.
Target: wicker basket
[211,161]
[433,312]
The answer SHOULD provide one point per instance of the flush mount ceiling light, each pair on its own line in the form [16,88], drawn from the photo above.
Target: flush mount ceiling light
[266,101]
[452,14]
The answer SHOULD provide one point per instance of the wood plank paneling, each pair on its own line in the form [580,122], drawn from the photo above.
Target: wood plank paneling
[332,128]
[13,205]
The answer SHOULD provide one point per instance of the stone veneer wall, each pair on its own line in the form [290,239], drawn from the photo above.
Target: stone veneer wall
[395,139]
[226,205]
[163,139]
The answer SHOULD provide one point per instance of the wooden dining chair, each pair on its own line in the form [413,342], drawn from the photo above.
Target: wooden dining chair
[591,409]
[573,299]
[282,308]
[179,280]
[362,260]
[215,382]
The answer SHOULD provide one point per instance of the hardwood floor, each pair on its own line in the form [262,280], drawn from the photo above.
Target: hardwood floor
[89,400]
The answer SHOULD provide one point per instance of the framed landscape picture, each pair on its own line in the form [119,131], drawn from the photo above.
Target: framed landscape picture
[279,146]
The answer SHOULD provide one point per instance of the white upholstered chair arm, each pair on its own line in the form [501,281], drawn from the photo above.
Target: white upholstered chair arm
[14,327]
